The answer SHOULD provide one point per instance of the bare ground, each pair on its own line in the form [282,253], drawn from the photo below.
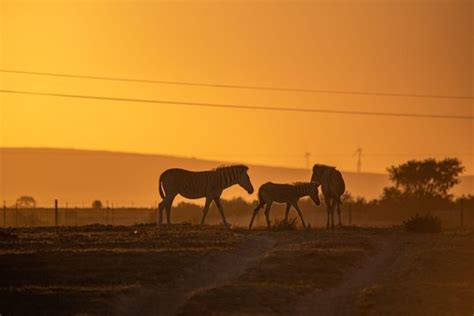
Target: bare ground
[213,270]
[190,270]
[339,299]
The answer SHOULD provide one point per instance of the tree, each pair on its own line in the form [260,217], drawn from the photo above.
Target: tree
[26,202]
[427,178]
[97,205]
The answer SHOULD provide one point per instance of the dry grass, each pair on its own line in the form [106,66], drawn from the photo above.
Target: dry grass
[282,225]
[434,276]
[423,224]
[294,268]
[207,270]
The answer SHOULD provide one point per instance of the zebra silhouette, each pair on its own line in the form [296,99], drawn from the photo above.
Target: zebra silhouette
[333,187]
[195,185]
[284,193]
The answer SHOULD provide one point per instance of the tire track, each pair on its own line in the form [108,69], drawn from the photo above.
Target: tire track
[341,299]
[216,269]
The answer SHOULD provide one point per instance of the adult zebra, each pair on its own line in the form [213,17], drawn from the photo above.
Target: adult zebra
[195,185]
[333,187]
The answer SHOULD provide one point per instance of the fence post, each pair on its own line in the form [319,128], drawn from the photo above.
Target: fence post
[462,213]
[107,212]
[4,214]
[350,214]
[16,215]
[66,215]
[56,215]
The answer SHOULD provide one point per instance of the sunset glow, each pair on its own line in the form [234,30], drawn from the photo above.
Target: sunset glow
[422,47]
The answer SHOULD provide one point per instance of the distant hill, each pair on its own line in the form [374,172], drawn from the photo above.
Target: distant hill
[79,176]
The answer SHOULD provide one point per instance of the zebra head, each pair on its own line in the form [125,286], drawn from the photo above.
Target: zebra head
[244,181]
[319,171]
[314,192]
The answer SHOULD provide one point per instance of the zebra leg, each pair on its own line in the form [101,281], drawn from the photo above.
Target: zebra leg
[255,212]
[161,208]
[332,214]
[205,210]
[328,211]
[168,210]
[288,205]
[339,213]
[299,213]
[217,200]
[267,213]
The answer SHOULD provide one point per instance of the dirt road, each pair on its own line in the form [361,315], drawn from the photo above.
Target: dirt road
[189,270]
[215,269]
[340,299]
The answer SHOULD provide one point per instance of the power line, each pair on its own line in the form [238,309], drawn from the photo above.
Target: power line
[242,107]
[262,155]
[242,87]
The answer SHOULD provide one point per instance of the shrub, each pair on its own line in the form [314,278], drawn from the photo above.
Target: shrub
[423,224]
[97,205]
[281,225]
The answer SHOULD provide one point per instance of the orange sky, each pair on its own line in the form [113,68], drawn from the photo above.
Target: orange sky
[421,47]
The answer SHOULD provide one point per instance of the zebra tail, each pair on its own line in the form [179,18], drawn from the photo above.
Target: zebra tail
[160,188]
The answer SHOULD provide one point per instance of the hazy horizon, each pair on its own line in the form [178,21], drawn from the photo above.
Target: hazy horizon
[210,159]
[77,176]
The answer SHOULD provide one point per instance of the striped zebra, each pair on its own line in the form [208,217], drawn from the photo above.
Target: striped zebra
[284,193]
[195,185]
[333,187]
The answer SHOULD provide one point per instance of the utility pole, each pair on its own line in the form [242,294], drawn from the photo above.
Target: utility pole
[307,155]
[56,213]
[4,214]
[358,152]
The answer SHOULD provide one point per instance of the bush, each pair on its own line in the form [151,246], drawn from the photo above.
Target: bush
[281,225]
[97,205]
[423,224]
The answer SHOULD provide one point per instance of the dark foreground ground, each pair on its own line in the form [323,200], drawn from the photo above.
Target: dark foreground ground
[193,270]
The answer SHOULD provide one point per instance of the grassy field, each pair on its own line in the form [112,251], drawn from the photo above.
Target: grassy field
[191,270]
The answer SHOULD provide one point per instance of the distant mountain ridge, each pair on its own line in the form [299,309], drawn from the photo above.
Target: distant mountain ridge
[80,176]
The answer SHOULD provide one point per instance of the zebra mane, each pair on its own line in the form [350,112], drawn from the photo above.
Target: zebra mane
[305,185]
[241,167]
[228,174]
[321,166]
[300,183]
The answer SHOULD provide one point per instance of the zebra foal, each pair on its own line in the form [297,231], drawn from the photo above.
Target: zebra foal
[284,193]
[195,185]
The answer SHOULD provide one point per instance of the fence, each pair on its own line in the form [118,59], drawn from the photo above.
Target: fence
[237,214]
[66,216]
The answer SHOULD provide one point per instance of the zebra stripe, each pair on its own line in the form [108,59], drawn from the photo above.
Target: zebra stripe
[302,188]
[333,187]
[191,183]
[194,185]
[228,175]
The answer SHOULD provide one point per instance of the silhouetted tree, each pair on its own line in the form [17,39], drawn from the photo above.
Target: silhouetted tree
[427,178]
[97,205]
[26,202]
